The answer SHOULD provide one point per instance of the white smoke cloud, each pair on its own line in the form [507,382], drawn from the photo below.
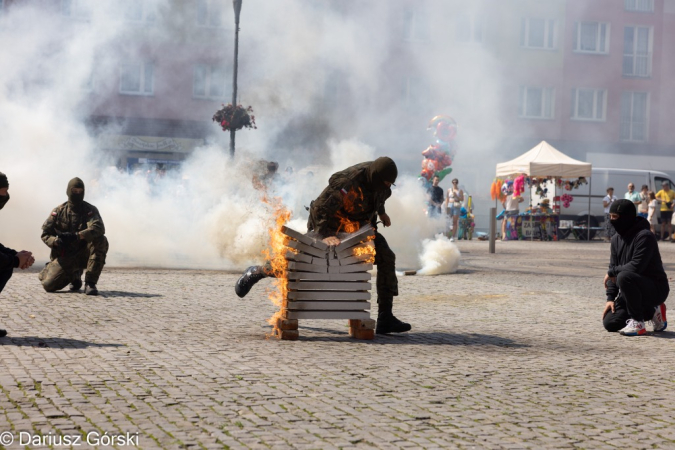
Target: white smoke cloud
[206,214]
[439,256]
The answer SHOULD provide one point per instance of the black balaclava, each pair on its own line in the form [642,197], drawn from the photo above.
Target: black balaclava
[75,199]
[3,184]
[381,170]
[627,214]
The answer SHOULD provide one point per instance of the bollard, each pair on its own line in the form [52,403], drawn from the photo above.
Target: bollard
[493,228]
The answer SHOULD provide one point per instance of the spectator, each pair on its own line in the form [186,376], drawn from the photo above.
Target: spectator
[633,196]
[511,209]
[607,203]
[435,199]
[455,199]
[666,195]
[636,284]
[643,207]
[9,259]
[652,215]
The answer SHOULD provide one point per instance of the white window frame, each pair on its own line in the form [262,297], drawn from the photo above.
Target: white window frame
[208,81]
[419,25]
[547,93]
[631,122]
[76,9]
[143,78]
[599,103]
[634,55]
[598,38]
[476,25]
[639,5]
[550,34]
[211,12]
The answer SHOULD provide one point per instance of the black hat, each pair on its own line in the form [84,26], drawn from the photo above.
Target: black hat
[623,207]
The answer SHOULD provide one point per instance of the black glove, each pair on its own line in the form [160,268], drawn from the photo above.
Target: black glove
[67,238]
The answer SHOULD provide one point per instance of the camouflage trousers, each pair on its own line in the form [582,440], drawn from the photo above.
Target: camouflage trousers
[62,271]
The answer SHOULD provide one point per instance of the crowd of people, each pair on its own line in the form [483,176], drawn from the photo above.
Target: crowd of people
[655,207]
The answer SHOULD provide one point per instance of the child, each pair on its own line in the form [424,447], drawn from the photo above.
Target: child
[651,216]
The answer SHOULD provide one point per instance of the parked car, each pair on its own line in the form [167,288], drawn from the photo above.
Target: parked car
[602,178]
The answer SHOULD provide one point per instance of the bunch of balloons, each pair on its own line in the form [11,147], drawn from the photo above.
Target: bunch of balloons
[438,157]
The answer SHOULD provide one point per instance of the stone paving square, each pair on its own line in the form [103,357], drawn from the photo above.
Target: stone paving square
[509,353]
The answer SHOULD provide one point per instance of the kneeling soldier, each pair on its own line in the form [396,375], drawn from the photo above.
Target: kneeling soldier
[75,233]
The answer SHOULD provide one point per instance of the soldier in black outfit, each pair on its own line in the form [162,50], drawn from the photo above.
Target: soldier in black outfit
[9,259]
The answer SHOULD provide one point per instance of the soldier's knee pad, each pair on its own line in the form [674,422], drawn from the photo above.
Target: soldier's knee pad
[49,286]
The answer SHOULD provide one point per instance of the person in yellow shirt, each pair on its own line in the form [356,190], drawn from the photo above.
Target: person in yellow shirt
[667,197]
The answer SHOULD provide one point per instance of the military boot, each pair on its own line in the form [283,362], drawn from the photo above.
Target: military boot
[386,321]
[90,288]
[75,285]
[252,275]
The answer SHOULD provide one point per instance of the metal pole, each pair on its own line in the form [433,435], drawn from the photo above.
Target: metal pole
[236,4]
[493,228]
[588,235]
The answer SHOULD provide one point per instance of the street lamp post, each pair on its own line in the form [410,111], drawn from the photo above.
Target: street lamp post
[237,11]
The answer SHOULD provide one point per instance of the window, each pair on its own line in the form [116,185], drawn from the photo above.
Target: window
[536,103]
[208,81]
[415,93]
[210,13]
[634,116]
[538,33]
[415,25]
[591,37]
[136,78]
[658,183]
[76,9]
[138,11]
[469,28]
[637,51]
[639,5]
[589,104]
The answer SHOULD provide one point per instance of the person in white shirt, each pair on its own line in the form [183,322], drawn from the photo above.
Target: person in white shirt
[652,215]
[643,206]
[511,209]
[607,202]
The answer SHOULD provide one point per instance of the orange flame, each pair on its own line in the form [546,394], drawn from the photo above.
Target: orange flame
[275,255]
[367,250]
[349,200]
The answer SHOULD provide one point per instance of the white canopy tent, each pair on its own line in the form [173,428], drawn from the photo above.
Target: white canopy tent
[544,161]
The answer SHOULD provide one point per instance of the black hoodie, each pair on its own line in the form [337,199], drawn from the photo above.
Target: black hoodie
[636,251]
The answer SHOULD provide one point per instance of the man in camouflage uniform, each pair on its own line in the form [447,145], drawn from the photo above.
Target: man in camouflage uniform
[358,194]
[75,233]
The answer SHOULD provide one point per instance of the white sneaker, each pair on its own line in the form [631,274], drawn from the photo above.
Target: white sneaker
[633,328]
[452,239]
[659,320]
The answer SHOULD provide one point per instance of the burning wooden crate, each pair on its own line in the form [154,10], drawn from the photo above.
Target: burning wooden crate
[328,282]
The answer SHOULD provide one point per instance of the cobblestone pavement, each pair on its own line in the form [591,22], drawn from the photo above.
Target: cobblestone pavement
[508,353]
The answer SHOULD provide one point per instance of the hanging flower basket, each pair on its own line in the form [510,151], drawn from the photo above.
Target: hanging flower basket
[235,117]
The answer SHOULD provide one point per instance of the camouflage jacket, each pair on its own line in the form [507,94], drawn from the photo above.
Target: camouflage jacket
[65,218]
[349,195]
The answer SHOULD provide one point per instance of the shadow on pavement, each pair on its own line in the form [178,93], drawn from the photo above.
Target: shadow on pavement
[113,294]
[46,342]
[664,335]
[431,338]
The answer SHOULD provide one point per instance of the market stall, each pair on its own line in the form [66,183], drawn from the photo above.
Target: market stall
[541,169]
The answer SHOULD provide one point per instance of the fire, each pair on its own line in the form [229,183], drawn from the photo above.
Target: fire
[350,202]
[367,250]
[275,254]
